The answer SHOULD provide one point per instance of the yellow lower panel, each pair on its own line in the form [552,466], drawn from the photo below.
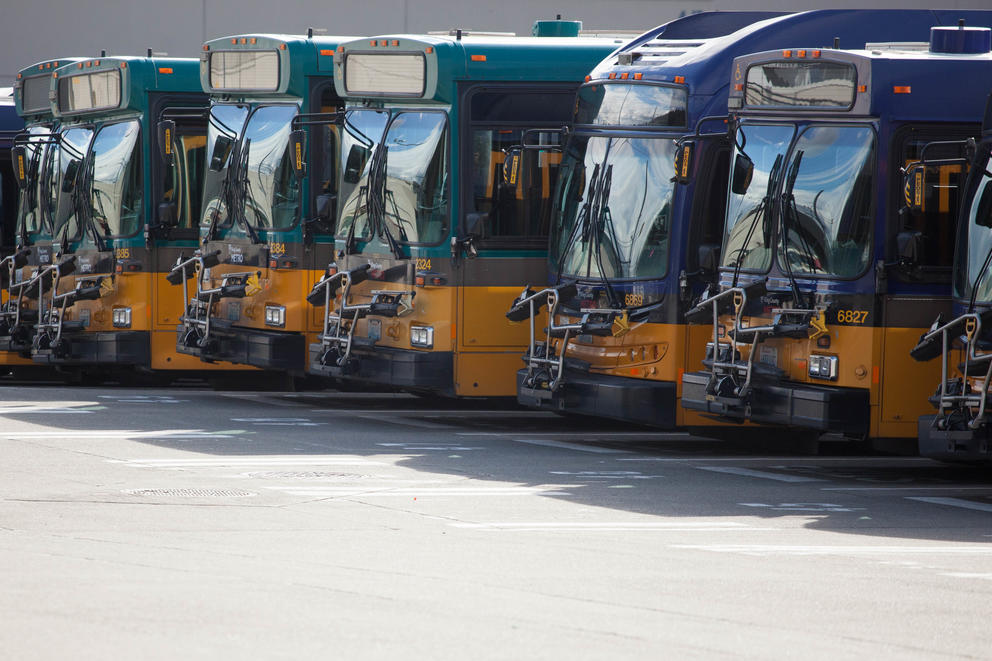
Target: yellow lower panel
[486,374]
[11,358]
[165,356]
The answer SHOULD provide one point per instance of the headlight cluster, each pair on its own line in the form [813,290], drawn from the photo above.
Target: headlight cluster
[422,336]
[823,367]
[275,315]
[122,317]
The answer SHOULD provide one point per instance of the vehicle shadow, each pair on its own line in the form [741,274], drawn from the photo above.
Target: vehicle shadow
[594,463]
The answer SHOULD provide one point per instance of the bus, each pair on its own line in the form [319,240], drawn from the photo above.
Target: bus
[266,225]
[636,233]
[27,237]
[826,279]
[959,429]
[125,209]
[443,217]
[11,124]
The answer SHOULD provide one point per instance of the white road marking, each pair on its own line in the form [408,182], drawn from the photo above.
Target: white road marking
[747,472]
[426,492]
[290,422]
[804,507]
[117,433]
[606,475]
[609,526]
[261,460]
[786,549]
[961,574]
[423,446]
[953,502]
[570,446]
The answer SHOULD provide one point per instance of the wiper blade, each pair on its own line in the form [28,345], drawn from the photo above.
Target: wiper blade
[789,211]
[761,212]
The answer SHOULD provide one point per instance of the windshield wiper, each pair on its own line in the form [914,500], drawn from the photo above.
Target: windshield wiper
[243,192]
[602,210]
[760,212]
[375,202]
[581,226]
[789,212]
[84,202]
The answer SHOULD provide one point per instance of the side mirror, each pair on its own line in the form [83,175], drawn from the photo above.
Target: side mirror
[983,211]
[69,177]
[475,223]
[19,157]
[297,145]
[511,166]
[683,161]
[914,184]
[909,244]
[167,214]
[743,172]
[709,257]
[222,150]
[353,166]
[166,138]
[325,206]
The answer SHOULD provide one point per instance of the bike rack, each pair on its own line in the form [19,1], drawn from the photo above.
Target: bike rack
[962,401]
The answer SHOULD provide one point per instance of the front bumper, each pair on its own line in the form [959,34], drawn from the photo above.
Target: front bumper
[98,348]
[401,368]
[822,408]
[620,398]
[270,350]
[953,445]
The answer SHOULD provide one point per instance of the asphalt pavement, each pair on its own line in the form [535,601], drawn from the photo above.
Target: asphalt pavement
[194,524]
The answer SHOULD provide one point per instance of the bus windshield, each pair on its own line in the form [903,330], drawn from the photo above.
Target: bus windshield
[978,233]
[402,190]
[826,201]
[615,202]
[33,204]
[71,149]
[272,190]
[748,233]
[116,185]
[227,121]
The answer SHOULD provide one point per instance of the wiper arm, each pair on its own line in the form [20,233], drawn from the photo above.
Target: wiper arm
[376,203]
[244,191]
[602,211]
[789,211]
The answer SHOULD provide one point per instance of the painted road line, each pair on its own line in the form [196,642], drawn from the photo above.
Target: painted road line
[747,472]
[949,487]
[418,447]
[608,526]
[408,492]
[570,446]
[787,549]
[953,502]
[117,433]
[261,460]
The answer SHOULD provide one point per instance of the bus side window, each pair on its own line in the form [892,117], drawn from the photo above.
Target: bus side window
[937,217]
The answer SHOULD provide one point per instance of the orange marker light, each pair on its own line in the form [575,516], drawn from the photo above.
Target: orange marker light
[79,66]
[738,87]
[234,41]
[253,40]
[862,88]
[327,52]
[429,50]
[902,89]
[816,53]
[282,46]
[373,43]
[396,42]
[801,53]
[97,63]
[165,69]
[123,65]
[787,53]
[680,80]
[478,58]
[244,40]
[613,76]
[206,47]
[638,76]
[624,76]
[588,78]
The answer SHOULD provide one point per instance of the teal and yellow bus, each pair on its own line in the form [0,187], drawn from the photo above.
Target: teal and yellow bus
[33,154]
[442,216]
[125,208]
[266,226]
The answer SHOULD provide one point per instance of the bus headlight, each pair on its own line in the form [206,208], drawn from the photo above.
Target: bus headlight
[275,315]
[823,367]
[122,317]
[422,336]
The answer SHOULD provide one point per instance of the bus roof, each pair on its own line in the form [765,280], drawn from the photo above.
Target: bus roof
[700,50]
[436,58]
[117,83]
[280,63]
[902,85]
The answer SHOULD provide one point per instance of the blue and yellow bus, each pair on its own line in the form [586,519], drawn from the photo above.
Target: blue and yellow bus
[959,429]
[826,281]
[443,218]
[636,237]
[125,206]
[266,225]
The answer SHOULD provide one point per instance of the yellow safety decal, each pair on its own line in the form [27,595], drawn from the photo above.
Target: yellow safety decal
[621,325]
[252,285]
[168,141]
[299,156]
[817,325]
[106,287]
[20,168]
